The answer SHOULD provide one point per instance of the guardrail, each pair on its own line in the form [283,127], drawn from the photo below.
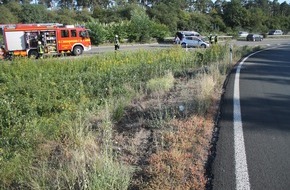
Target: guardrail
[278,36]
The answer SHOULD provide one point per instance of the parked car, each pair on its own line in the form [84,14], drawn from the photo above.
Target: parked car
[254,37]
[243,34]
[275,32]
[193,41]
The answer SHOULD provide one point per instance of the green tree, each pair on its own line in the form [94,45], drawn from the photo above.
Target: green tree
[235,15]
[285,9]
[7,16]
[204,6]
[275,8]
[200,22]
[66,16]
[257,20]
[33,14]
[159,31]
[15,8]
[47,3]
[97,32]
[83,16]
[140,26]
[165,13]
[68,4]
[218,6]
[217,21]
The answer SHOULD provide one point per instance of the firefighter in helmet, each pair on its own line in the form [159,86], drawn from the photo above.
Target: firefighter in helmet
[116,41]
[40,50]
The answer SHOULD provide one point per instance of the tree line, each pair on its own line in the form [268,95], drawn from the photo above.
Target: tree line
[140,20]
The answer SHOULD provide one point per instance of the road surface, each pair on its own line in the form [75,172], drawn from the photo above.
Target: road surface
[253,147]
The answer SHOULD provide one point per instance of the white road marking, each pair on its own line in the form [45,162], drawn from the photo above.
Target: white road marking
[241,168]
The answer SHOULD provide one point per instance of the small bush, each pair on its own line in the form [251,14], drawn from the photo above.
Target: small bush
[159,86]
[97,32]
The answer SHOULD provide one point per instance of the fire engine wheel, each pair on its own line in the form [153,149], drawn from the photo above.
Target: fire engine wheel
[33,54]
[78,50]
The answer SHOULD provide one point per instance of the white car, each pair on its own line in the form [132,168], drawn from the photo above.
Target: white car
[243,34]
[275,32]
[193,41]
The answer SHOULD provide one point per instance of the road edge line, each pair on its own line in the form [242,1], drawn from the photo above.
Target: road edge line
[241,167]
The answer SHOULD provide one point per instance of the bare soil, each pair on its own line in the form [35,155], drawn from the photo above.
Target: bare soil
[143,132]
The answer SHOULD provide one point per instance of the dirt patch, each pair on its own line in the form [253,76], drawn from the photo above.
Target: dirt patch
[164,139]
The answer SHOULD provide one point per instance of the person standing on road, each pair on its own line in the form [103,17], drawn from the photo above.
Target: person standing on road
[117,43]
[215,39]
[210,38]
[177,40]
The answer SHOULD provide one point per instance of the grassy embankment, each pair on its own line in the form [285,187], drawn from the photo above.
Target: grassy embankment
[59,119]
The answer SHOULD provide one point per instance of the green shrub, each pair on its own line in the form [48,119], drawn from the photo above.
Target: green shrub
[97,32]
[159,31]
[140,26]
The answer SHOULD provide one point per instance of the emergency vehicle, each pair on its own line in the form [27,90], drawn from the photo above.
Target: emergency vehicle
[23,39]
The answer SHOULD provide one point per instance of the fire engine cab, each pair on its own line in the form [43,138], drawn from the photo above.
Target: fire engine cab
[23,39]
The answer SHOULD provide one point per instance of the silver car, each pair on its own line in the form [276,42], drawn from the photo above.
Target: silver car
[193,41]
[275,32]
[243,34]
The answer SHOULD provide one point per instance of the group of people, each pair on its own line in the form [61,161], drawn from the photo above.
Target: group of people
[213,39]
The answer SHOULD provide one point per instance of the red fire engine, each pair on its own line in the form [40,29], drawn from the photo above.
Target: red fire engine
[23,39]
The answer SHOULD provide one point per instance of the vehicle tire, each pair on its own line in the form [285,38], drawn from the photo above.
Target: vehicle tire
[203,46]
[183,45]
[33,54]
[78,50]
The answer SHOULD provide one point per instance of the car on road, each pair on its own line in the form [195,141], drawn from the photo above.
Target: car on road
[243,34]
[254,37]
[275,32]
[193,41]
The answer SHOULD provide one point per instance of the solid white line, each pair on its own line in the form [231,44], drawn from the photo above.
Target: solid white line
[241,168]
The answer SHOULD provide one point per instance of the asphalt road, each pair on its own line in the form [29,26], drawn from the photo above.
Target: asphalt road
[253,147]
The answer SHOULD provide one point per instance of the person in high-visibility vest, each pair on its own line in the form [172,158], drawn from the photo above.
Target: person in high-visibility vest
[40,50]
[116,41]
[215,39]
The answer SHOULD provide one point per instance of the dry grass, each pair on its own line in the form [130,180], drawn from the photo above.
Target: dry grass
[167,145]
[180,162]
[159,86]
